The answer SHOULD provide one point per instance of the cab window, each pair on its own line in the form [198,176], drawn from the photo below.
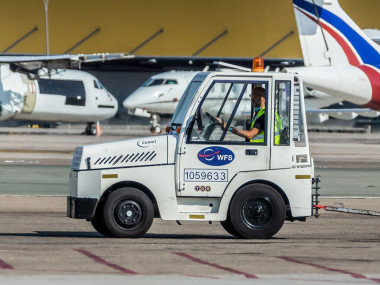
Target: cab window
[231,103]
[281,131]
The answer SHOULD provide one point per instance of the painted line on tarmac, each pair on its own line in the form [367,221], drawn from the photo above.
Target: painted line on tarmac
[192,258]
[105,262]
[352,274]
[4,265]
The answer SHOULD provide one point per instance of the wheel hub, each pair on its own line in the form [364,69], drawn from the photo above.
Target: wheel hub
[257,212]
[128,213]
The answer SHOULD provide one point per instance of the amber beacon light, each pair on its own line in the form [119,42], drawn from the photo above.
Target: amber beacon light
[258,64]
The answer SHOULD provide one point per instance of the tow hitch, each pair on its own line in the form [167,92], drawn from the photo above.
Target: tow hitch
[347,210]
[316,195]
[340,209]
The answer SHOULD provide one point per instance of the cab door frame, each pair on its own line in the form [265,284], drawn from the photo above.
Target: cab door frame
[246,155]
[281,155]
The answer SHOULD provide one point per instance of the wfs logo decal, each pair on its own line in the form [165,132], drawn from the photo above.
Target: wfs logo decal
[216,156]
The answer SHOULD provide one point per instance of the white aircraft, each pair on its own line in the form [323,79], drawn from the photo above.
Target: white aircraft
[160,94]
[347,69]
[37,88]
[339,58]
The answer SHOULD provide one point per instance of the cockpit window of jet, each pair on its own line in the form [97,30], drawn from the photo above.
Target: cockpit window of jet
[159,81]
[98,85]
[171,81]
[153,82]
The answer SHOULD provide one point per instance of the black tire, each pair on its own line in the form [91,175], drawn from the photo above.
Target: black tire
[93,131]
[128,213]
[257,211]
[227,225]
[98,222]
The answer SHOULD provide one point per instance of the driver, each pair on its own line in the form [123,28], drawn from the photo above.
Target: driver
[256,133]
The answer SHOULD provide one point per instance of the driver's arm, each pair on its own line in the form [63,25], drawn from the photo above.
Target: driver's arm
[248,134]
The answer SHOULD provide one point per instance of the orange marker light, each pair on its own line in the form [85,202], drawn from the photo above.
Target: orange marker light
[258,64]
[167,129]
[178,129]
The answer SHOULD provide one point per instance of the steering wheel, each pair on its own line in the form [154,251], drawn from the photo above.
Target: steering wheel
[212,119]
[206,133]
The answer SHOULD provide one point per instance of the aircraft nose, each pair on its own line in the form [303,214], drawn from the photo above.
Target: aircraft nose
[109,98]
[113,101]
[129,103]
[107,103]
[134,100]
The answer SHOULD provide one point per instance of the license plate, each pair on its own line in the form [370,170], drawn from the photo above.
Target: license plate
[206,175]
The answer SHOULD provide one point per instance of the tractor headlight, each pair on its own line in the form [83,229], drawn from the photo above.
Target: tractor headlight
[77,158]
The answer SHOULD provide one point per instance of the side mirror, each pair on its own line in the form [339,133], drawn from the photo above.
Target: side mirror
[189,125]
[198,118]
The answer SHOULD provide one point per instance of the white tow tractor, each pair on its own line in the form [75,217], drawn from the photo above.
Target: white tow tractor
[200,171]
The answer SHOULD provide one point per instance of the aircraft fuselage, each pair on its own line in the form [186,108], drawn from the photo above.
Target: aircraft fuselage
[65,96]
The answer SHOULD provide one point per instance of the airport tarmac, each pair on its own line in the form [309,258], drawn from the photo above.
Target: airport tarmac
[348,163]
[52,180]
[36,239]
[40,245]
[56,146]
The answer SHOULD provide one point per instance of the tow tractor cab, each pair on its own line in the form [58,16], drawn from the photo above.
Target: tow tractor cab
[200,171]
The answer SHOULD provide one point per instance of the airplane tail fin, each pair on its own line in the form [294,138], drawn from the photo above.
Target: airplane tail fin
[329,37]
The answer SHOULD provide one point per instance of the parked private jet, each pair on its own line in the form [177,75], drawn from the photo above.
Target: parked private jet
[36,88]
[159,94]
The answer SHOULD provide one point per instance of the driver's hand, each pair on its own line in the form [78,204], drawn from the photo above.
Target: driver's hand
[221,122]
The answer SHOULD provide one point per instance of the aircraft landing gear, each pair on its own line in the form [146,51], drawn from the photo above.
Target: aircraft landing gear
[90,129]
[155,127]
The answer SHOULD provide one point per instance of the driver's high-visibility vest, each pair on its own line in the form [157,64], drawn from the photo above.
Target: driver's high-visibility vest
[259,138]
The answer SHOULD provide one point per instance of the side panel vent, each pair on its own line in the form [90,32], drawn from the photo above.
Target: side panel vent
[126,159]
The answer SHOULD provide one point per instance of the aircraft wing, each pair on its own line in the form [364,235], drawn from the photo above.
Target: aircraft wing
[34,62]
[358,110]
[341,114]
[366,112]
[166,63]
[28,58]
